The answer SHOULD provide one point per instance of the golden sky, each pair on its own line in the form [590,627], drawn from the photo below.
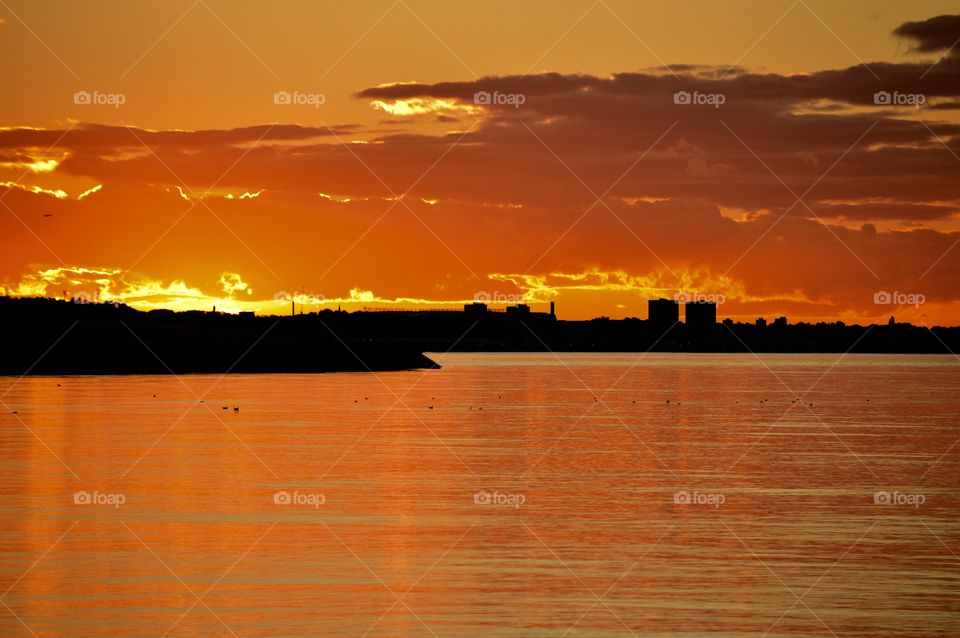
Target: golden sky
[792,157]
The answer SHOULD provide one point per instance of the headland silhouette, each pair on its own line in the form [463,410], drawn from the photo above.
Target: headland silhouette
[49,336]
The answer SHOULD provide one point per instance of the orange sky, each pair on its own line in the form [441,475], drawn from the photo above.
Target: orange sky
[148,153]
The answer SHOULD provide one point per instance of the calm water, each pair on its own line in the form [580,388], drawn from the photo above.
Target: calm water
[587,495]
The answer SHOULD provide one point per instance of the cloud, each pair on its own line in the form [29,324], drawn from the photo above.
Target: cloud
[31,165]
[90,191]
[88,137]
[940,33]
[232,283]
[421,106]
[39,190]
[796,126]
[103,285]
[886,209]
[97,285]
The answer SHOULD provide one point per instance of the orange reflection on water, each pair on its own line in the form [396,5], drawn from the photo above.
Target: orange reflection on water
[539,496]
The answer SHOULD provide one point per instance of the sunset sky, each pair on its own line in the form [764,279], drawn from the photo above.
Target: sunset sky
[794,157]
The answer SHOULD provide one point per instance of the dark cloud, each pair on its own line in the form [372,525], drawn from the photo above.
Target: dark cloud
[795,126]
[933,34]
[886,210]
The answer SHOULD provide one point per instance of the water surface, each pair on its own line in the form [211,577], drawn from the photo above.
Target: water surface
[503,495]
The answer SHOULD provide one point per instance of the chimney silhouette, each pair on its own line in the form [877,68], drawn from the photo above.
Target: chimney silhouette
[553,309]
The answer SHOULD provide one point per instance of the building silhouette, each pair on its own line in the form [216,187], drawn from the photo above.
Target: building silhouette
[104,339]
[700,314]
[663,312]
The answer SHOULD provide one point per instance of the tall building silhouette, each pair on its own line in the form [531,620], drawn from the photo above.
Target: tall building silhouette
[663,312]
[700,314]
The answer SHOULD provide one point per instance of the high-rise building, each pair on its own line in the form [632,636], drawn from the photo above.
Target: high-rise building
[700,314]
[663,312]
